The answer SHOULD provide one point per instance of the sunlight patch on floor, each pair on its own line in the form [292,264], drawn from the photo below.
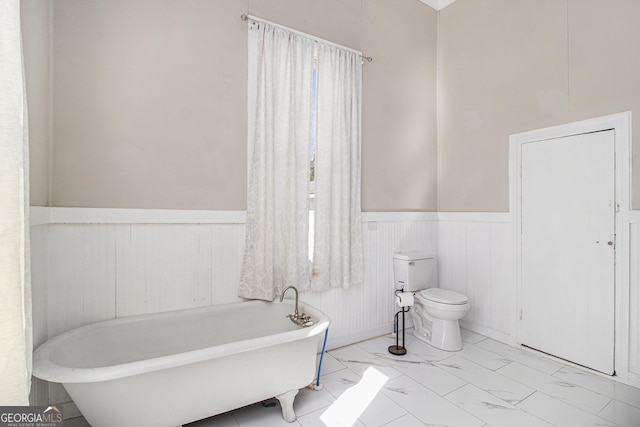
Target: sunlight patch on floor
[353,402]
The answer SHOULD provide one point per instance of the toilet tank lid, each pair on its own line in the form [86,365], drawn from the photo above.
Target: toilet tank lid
[412,255]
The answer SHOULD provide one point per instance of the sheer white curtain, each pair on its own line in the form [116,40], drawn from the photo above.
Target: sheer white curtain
[280,124]
[276,252]
[338,231]
[15,292]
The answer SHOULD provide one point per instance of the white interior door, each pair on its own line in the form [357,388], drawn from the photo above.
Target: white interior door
[567,248]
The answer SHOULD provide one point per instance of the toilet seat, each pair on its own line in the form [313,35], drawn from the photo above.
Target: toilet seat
[444,296]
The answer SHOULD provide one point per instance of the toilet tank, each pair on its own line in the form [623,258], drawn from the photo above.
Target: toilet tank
[413,271]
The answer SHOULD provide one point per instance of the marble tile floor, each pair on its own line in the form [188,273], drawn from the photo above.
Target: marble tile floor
[487,383]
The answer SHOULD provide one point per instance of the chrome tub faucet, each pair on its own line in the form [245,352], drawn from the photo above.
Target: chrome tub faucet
[297,318]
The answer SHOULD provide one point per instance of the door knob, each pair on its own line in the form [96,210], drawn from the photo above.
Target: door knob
[610,243]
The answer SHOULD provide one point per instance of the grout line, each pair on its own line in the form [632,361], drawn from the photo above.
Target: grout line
[466,383]
[604,407]
[464,410]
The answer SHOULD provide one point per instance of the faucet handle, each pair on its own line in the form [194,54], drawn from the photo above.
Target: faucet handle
[302,320]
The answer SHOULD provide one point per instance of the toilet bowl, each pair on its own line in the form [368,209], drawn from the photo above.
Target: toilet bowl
[435,315]
[436,311]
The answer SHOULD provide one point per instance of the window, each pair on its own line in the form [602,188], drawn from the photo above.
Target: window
[312,159]
[303,198]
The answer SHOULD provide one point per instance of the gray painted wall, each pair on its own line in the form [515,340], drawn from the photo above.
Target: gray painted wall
[149,96]
[149,100]
[509,66]
[35,41]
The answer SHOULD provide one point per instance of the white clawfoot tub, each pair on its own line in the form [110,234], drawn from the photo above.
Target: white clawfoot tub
[169,369]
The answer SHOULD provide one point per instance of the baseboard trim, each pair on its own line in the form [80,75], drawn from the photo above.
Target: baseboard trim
[344,340]
[503,337]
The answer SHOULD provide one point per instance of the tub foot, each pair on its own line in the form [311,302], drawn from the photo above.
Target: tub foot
[286,401]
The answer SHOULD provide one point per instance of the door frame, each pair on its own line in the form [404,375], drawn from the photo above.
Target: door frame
[621,124]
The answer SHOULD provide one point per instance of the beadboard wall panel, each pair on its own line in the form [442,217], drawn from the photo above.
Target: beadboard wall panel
[227,251]
[88,272]
[162,267]
[634,297]
[81,279]
[85,270]
[361,312]
[38,239]
[97,271]
[102,271]
[476,258]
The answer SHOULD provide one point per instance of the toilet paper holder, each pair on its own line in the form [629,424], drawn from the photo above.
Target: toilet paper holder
[404,300]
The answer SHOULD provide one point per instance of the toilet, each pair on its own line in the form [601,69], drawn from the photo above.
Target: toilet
[435,312]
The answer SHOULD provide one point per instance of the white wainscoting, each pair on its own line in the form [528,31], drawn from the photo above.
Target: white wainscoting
[361,312]
[103,271]
[95,264]
[634,297]
[91,265]
[38,233]
[476,258]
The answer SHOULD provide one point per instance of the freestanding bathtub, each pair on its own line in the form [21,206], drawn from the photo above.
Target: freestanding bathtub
[169,369]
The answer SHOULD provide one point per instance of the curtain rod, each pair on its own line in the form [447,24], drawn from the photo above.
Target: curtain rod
[247,18]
